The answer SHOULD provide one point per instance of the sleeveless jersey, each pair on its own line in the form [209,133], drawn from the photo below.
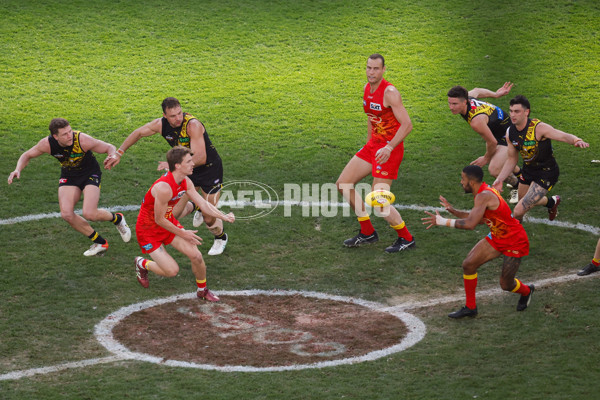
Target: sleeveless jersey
[500,221]
[498,120]
[179,137]
[146,214]
[73,159]
[383,121]
[536,154]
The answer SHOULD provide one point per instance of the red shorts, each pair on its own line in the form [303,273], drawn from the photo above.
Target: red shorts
[517,247]
[151,237]
[387,170]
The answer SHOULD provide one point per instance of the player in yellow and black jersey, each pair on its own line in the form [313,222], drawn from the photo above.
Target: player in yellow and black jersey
[80,176]
[183,129]
[490,122]
[532,139]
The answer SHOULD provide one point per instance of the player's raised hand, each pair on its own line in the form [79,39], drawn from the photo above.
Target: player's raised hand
[162,165]
[430,219]
[445,203]
[505,89]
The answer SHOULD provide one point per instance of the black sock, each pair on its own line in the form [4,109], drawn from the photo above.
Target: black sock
[96,238]
[117,218]
[223,235]
[551,202]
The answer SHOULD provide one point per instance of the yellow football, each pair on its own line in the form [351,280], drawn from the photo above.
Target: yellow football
[380,198]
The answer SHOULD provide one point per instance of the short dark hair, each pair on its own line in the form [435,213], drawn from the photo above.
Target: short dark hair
[522,100]
[459,91]
[175,156]
[170,102]
[56,124]
[376,56]
[473,172]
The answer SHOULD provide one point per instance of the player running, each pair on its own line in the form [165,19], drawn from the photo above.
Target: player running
[490,122]
[183,129]
[507,237]
[80,176]
[532,139]
[157,226]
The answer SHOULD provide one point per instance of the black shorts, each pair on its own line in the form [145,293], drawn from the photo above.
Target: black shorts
[208,177]
[545,177]
[81,181]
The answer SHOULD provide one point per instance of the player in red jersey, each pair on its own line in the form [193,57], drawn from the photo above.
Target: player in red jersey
[388,126]
[507,237]
[157,226]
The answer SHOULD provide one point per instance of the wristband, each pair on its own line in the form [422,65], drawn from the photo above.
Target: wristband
[120,152]
[390,148]
[439,220]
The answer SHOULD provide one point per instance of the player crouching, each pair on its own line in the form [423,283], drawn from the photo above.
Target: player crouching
[156,225]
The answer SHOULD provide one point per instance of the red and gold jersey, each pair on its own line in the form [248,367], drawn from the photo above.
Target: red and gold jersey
[146,216]
[384,124]
[500,221]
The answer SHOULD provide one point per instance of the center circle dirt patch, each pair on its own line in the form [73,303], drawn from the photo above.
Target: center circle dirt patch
[258,330]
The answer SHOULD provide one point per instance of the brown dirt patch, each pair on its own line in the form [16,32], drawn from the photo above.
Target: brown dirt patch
[258,331]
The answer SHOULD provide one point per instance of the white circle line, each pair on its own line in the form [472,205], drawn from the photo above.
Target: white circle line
[103,332]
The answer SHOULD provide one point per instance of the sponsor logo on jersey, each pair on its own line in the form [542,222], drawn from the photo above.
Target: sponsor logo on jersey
[375,106]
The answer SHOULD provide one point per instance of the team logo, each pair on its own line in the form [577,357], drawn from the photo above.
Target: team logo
[62,180]
[384,173]
[147,246]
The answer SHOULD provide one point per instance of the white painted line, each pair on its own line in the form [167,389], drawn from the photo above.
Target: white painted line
[562,224]
[55,368]
[103,331]
[416,327]
[413,305]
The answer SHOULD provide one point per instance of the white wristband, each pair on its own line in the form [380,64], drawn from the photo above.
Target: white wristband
[439,220]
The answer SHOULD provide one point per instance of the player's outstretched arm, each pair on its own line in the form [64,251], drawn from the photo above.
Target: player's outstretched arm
[482,92]
[205,206]
[149,129]
[512,158]
[40,148]
[545,131]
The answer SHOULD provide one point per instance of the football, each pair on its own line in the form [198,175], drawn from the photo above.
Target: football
[380,198]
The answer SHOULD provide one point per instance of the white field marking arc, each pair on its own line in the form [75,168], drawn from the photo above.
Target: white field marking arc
[397,308]
[103,332]
[562,224]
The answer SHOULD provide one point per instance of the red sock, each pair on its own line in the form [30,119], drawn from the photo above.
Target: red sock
[596,262]
[521,288]
[201,284]
[366,227]
[402,231]
[470,282]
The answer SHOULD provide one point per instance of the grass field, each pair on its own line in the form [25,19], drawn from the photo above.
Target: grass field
[279,85]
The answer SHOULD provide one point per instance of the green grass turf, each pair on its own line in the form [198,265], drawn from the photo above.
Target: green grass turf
[278,85]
